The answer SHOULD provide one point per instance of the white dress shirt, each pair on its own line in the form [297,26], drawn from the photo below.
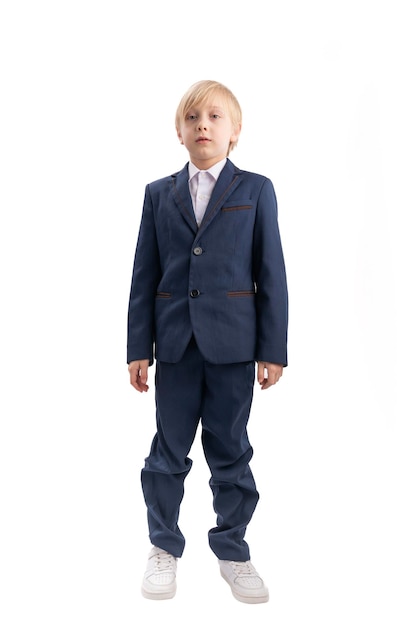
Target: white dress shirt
[201,184]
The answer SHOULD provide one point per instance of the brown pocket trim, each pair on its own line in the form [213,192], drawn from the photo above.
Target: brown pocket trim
[240,294]
[163,294]
[237,208]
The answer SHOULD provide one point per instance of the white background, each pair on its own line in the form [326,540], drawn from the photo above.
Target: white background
[89,92]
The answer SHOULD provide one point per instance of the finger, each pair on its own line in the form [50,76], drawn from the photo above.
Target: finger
[261,373]
[139,385]
[142,386]
[143,378]
[273,376]
[143,375]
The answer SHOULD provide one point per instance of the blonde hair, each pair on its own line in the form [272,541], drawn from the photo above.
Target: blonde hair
[199,93]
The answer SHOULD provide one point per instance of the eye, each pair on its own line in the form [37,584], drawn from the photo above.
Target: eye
[191,116]
[216,116]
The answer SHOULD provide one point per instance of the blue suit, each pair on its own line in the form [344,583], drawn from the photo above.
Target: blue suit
[207,301]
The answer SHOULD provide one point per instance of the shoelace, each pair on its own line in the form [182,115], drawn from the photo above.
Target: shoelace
[243,568]
[164,562]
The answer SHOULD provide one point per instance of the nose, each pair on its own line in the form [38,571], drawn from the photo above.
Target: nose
[202,124]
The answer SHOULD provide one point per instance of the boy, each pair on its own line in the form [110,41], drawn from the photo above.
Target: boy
[209,293]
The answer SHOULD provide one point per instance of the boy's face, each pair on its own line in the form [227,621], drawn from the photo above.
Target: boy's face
[207,131]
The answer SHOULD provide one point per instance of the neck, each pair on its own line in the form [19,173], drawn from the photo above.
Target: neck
[205,164]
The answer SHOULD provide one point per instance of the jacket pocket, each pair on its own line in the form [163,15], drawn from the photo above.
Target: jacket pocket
[163,294]
[241,294]
[237,205]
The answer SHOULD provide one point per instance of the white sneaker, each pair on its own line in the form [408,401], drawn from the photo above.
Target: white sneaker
[245,582]
[159,580]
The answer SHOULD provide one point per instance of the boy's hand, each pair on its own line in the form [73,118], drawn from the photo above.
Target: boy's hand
[273,374]
[138,371]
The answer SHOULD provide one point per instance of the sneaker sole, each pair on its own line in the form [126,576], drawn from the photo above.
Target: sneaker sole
[166,594]
[246,599]
[158,595]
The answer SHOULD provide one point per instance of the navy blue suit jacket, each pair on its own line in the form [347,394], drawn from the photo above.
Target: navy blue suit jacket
[224,282]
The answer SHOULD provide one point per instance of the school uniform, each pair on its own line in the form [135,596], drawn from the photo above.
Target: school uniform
[208,299]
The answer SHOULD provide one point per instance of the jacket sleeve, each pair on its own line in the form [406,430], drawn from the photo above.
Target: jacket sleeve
[270,280]
[145,278]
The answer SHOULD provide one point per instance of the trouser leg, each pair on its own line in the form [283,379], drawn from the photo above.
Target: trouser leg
[225,412]
[178,391]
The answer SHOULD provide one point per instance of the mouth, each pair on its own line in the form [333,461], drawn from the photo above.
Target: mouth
[202,140]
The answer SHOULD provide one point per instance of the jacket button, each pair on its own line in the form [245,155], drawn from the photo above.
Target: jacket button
[194,293]
[197,251]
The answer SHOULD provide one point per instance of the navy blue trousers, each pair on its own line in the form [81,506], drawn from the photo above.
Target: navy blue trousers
[221,396]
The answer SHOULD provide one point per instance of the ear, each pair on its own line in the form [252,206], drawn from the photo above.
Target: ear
[236,133]
[180,136]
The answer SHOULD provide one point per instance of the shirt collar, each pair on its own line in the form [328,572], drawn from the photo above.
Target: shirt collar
[214,170]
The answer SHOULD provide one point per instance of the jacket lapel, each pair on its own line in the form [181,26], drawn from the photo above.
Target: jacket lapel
[182,197]
[227,182]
